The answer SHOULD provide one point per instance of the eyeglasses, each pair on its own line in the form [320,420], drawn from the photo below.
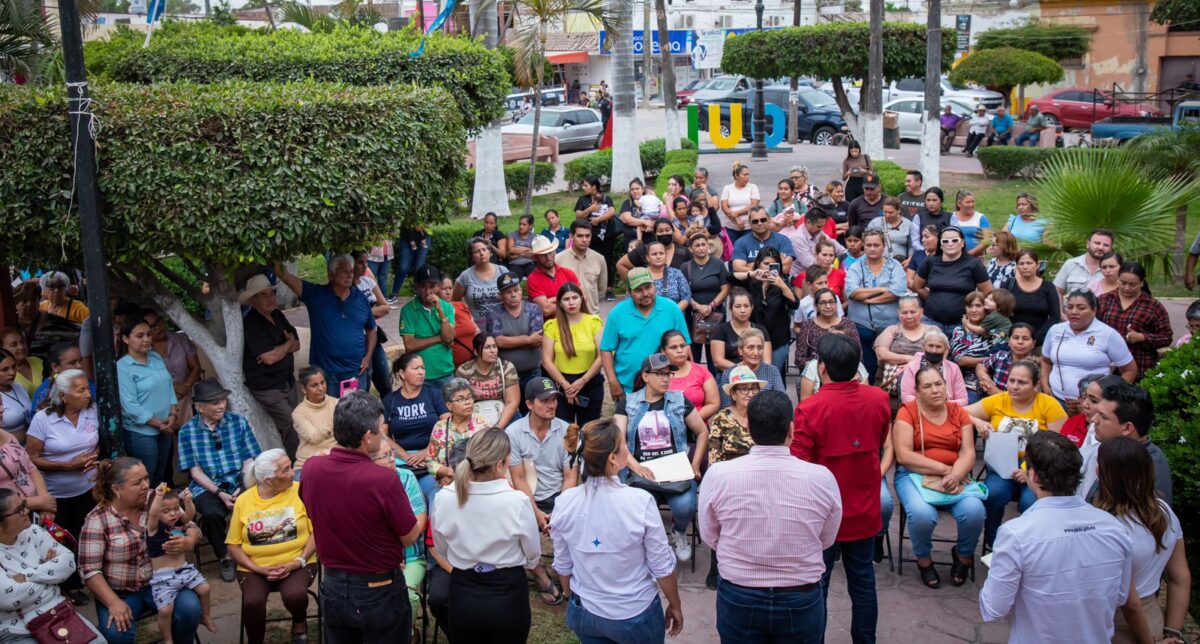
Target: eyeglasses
[463,400]
[663,374]
[759,221]
[22,508]
[827,303]
[746,389]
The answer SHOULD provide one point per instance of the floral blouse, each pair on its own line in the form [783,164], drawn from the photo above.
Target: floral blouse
[443,438]
[727,439]
[673,285]
[811,333]
[1001,276]
[968,344]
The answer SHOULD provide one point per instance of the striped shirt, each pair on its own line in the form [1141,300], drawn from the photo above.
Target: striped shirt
[769,540]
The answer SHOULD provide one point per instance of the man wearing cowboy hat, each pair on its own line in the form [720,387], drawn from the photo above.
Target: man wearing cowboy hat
[547,276]
[267,360]
[216,446]
[977,128]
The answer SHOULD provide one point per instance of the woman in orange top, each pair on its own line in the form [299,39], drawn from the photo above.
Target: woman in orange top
[936,439]
[465,328]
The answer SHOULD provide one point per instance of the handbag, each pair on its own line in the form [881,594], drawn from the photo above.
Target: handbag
[60,624]
[655,487]
[889,377]
[927,485]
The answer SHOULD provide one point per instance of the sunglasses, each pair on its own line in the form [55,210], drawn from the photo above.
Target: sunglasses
[759,221]
[217,441]
[952,240]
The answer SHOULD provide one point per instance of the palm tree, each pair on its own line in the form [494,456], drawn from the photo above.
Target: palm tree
[27,40]
[1081,190]
[489,193]
[667,91]
[1172,152]
[627,160]
[528,41]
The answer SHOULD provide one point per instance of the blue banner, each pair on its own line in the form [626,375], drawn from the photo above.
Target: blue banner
[680,42]
[434,26]
[155,10]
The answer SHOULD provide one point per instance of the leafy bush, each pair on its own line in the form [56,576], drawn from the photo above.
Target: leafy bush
[684,156]
[232,173]
[1005,68]
[206,53]
[449,249]
[1054,41]
[594,164]
[516,177]
[1008,162]
[654,154]
[891,176]
[1174,385]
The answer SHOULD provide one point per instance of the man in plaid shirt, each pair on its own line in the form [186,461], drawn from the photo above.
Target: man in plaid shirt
[216,447]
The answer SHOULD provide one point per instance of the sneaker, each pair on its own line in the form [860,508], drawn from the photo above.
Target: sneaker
[683,549]
[228,569]
[608,297]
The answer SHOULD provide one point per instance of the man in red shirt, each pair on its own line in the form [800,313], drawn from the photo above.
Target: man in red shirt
[547,277]
[843,427]
[362,522]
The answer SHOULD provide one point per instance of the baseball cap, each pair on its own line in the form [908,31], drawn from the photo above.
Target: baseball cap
[427,274]
[540,389]
[657,362]
[507,281]
[871,181]
[639,277]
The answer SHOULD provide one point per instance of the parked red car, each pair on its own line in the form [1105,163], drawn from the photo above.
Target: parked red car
[1079,107]
[684,96]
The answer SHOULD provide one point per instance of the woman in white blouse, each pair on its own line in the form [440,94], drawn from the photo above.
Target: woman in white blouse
[1126,490]
[609,547]
[32,565]
[488,533]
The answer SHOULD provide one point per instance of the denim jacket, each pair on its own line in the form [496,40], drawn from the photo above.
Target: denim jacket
[636,407]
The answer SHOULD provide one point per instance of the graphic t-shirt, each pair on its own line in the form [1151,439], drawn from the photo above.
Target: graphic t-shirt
[654,436]
[411,420]
[273,531]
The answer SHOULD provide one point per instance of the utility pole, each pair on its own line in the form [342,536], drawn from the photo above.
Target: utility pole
[793,110]
[79,106]
[931,159]
[873,105]
[758,149]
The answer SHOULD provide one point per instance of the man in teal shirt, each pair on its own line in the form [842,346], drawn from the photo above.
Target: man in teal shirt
[1033,128]
[634,330]
[427,327]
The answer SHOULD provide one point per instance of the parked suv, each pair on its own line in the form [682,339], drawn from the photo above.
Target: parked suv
[818,117]
[1079,107]
[915,88]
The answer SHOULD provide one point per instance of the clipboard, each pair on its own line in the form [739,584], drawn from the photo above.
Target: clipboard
[670,469]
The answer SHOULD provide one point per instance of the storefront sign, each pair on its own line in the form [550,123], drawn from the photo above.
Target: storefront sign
[680,41]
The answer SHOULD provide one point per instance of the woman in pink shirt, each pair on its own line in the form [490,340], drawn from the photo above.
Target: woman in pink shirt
[696,383]
[936,348]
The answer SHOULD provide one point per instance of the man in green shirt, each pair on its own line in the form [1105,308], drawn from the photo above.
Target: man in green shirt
[427,327]
[1033,127]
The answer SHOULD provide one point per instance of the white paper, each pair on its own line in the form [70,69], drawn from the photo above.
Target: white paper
[668,469]
[986,560]
[1000,453]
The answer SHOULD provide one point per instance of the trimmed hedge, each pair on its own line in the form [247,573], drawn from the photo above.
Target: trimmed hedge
[1009,162]
[683,156]
[516,177]
[891,177]
[599,163]
[202,52]
[231,173]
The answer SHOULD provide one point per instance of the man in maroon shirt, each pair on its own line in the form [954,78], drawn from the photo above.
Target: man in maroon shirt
[362,522]
[843,427]
[547,277]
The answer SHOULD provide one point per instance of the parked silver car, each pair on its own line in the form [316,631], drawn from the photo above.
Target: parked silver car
[910,113]
[576,128]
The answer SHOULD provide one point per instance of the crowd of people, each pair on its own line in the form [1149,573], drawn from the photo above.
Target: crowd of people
[915,336]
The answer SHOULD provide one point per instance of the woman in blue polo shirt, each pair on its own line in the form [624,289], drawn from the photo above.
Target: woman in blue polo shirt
[411,410]
[148,402]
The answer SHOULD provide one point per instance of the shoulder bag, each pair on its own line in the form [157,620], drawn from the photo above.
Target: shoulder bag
[703,328]
[58,625]
[929,485]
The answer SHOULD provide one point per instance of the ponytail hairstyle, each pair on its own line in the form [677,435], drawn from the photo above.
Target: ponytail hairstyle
[484,450]
[110,472]
[593,443]
[560,315]
[263,467]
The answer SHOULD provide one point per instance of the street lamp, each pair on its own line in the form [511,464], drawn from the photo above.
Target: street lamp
[758,149]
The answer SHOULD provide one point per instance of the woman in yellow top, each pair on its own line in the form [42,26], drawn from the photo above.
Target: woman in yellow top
[1025,409]
[313,417]
[58,302]
[29,368]
[270,538]
[571,358]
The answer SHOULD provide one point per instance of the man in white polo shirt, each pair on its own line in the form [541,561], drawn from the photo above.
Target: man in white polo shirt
[1062,564]
[1078,272]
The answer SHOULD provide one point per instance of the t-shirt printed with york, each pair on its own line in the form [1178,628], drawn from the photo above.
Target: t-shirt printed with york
[271,525]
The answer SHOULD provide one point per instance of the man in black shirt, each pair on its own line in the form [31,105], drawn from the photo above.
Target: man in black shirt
[267,361]
[912,200]
[869,205]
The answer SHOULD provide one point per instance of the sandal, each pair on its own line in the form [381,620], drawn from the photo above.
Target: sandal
[960,569]
[929,576]
[554,591]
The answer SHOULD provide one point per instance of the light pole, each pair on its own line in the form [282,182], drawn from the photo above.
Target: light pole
[758,149]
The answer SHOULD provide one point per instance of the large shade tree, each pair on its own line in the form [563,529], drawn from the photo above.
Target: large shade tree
[1005,68]
[627,161]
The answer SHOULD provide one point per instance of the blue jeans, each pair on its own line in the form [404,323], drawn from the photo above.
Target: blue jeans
[355,612]
[886,505]
[381,269]
[408,261]
[683,507]
[153,451]
[648,627]
[972,396]
[866,336]
[522,378]
[779,358]
[858,560]
[185,618]
[1028,135]
[735,235]
[751,615]
[1000,492]
[968,513]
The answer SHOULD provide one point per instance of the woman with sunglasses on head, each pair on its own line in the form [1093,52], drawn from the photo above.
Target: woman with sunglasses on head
[944,280]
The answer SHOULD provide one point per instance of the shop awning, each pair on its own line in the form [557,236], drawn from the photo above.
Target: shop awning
[563,58]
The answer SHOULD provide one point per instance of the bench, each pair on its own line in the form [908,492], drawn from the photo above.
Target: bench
[516,148]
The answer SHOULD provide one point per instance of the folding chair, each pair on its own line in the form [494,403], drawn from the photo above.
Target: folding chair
[903,537]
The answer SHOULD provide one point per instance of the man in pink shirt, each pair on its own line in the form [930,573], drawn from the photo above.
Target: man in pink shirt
[770,546]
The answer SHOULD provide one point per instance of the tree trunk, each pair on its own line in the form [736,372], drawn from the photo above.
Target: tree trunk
[1181,238]
[647,53]
[667,85]
[843,101]
[872,140]
[793,109]
[537,122]
[627,161]
[266,5]
[931,158]
[489,193]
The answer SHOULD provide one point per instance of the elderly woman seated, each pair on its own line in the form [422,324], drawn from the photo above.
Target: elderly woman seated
[935,349]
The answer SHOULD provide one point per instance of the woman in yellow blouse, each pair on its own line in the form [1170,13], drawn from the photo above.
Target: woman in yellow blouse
[58,301]
[571,358]
[29,368]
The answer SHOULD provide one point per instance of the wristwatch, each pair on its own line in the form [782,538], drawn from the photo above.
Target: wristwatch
[302,562]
